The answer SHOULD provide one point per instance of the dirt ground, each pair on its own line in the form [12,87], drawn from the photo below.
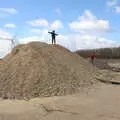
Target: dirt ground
[41,70]
[107,64]
[102,103]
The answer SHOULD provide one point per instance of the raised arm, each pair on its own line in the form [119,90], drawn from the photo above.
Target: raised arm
[50,32]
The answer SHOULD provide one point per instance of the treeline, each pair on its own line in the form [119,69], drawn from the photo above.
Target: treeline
[101,53]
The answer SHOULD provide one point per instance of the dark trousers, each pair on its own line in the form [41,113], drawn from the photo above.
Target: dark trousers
[92,60]
[53,41]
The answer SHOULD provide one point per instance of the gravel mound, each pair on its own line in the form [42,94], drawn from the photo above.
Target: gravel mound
[41,70]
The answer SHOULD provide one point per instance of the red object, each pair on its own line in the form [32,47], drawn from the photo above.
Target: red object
[92,56]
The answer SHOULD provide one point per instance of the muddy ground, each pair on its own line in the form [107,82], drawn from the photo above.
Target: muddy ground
[100,103]
[110,64]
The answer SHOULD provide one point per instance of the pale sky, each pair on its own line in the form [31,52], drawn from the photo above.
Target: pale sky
[82,24]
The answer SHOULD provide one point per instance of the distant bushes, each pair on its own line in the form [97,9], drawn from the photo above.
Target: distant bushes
[101,53]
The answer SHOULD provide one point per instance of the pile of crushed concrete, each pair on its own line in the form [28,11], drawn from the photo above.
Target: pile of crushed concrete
[41,70]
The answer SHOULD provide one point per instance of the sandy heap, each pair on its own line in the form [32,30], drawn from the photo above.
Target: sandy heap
[38,70]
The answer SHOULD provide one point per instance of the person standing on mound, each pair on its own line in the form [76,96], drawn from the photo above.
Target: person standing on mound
[53,35]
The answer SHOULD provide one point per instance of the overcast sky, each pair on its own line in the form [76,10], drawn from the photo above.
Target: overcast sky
[82,24]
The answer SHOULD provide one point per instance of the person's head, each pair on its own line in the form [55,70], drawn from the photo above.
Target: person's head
[53,31]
